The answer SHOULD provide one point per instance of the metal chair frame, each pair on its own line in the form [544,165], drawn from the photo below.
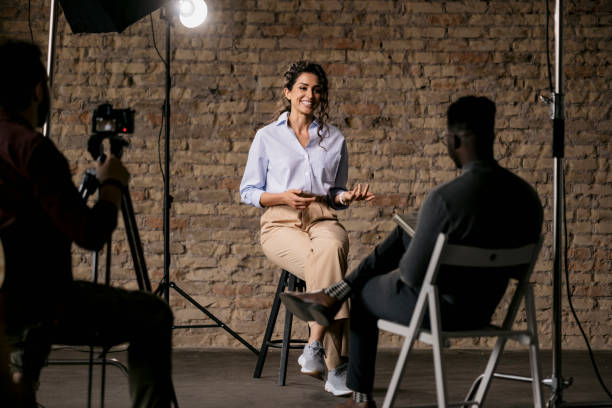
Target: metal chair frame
[457,255]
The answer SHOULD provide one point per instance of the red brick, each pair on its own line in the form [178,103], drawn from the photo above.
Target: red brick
[342,43]
[360,109]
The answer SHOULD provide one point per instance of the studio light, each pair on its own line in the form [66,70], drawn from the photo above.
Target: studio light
[192,13]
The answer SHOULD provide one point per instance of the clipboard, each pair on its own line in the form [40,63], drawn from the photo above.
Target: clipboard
[406,221]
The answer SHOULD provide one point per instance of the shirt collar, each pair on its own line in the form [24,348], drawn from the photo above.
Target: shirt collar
[13,117]
[282,120]
[479,165]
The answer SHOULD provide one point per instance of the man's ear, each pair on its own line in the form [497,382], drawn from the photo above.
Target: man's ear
[456,140]
[38,93]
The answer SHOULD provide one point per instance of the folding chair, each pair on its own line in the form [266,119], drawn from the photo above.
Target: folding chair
[456,255]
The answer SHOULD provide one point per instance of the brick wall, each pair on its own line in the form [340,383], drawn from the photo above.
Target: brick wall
[394,66]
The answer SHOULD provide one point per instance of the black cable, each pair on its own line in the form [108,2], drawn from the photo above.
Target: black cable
[159,157]
[161,169]
[30,20]
[569,298]
[548,65]
[155,42]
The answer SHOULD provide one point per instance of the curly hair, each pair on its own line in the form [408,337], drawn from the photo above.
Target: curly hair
[291,75]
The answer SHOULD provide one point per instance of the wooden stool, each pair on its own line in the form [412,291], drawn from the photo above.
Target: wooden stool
[292,283]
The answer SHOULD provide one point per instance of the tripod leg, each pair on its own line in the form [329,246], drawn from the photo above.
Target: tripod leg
[131,229]
[173,398]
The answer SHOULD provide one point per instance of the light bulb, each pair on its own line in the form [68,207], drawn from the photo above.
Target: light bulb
[192,13]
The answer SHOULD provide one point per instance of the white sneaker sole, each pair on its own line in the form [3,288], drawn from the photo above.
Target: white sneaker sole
[313,373]
[335,392]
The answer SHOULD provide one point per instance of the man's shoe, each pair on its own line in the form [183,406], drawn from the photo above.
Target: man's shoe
[349,403]
[310,306]
[311,360]
[336,381]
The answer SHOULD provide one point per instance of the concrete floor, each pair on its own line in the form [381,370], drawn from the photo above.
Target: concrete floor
[224,378]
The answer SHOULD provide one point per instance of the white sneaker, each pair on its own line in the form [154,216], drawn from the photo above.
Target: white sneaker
[336,381]
[311,360]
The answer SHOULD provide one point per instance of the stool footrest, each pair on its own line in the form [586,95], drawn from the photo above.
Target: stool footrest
[293,343]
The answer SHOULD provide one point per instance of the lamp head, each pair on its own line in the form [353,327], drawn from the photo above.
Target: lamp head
[192,13]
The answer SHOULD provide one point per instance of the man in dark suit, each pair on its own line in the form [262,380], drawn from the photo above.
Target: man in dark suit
[486,206]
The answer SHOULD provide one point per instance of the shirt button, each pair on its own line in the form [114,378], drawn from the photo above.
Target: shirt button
[306,173]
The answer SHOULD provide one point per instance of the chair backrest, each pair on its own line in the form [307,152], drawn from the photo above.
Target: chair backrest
[522,258]
[465,256]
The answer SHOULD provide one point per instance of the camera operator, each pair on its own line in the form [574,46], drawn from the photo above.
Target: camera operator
[41,214]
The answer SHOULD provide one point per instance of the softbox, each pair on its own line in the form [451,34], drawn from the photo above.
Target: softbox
[103,16]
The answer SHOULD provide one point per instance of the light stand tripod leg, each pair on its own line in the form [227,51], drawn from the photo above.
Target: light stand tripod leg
[218,322]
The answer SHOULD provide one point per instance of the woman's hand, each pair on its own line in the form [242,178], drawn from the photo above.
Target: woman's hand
[294,199]
[356,194]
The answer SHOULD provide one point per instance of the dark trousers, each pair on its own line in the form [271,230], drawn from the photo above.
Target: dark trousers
[90,314]
[377,292]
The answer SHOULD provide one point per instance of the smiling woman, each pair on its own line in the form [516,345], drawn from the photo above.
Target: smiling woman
[298,168]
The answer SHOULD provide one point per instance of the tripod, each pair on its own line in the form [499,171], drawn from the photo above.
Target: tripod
[88,186]
[166,284]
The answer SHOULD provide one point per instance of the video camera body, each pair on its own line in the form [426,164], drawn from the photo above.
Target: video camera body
[107,122]
[105,119]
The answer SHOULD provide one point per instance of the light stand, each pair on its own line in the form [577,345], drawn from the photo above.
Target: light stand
[558,115]
[166,284]
[557,383]
[51,62]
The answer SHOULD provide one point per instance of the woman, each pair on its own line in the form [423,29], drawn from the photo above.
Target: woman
[298,168]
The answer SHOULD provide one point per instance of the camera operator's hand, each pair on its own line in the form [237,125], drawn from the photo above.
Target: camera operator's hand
[112,175]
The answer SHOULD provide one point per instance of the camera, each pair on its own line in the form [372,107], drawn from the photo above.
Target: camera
[107,120]
[107,123]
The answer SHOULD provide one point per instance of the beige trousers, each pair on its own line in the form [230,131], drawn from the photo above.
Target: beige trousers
[312,245]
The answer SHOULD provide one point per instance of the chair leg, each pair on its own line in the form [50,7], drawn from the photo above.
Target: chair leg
[499,345]
[485,383]
[441,391]
[263,351]
[90,376]
[282,373]
[434,314]
[398,372]
[103,378]
[534,358]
